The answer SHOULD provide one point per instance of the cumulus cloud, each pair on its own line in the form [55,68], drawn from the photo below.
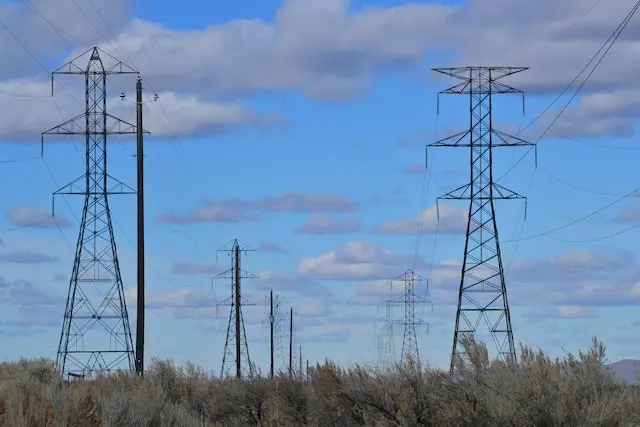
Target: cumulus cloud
[318,46]
[325,224]
[237,210]
[445,218]
[356,260]
[572,278]
[327,50]
[42,26]
[36,217]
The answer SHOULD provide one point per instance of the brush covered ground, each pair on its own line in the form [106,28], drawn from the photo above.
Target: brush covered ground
[537,391]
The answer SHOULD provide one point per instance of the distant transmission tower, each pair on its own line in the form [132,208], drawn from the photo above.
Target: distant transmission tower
[408,301]
[483,293]
[96,335]
[384,335]
[235,331]
[279,332]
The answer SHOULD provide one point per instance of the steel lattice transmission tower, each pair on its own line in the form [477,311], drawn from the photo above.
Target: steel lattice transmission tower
[96,335]
[409,321]
[384,335]
[482,293]
[236,334]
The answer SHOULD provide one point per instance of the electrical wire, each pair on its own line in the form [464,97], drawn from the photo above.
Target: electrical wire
[49,169]
[24,226]
[632,193]
[174,134]
[598,57]
[61,34]
[606,49]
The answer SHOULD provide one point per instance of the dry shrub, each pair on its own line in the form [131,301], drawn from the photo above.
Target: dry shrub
[536,391]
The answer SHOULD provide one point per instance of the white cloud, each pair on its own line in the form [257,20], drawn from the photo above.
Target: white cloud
[325,48]
[444,218]
[356,260]
[317,46]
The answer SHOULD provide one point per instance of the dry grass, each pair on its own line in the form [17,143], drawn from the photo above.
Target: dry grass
[537,391]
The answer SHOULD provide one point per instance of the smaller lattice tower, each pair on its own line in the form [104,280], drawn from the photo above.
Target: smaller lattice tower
[277,360]
[383,326]
[408,300]
[236,334]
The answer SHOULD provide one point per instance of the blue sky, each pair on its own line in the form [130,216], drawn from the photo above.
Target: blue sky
[276,115]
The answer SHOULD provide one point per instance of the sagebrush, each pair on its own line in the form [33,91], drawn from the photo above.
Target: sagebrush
[535,391]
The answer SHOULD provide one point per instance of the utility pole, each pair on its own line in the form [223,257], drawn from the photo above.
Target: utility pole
[141,293]
[291,342]
[235,329]
[483,291]
[140,301]
[271,333]
[95,302]
[409,321]
[300,361]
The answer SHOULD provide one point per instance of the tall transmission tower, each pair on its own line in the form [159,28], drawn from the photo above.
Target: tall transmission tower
[409,321]
[483,292]
[96,335]
[236,333]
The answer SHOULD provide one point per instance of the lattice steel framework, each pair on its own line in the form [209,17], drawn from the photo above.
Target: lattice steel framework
[384,335]
[96,335]
[236,334]
[279,332]
[409,321]
[482,292]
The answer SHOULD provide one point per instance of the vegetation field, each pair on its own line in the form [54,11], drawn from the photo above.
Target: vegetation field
[535,391]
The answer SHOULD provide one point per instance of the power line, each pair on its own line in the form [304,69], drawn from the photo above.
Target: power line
[632,193]
[598,57]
